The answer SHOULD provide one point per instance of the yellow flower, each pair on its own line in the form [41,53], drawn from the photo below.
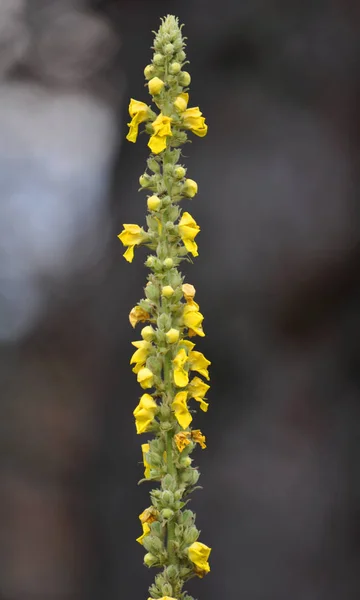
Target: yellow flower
[199,363]
[181,102]
[182,440]
[139,112]
[190,188]
[149,515]
[132,235]
[155,86]
[164,598]
[141,354]
[144,413]
[138,315]
[146,378]
[193,319]
[197,390]
[181,376]
[181,410]
[199,555]
[193,120]
[146,531]
[188,230]
[162,130]
[199,438]
[188,291]
[172,336]
[145,449]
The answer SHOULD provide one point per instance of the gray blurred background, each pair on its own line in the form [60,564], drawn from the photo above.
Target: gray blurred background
[277,278]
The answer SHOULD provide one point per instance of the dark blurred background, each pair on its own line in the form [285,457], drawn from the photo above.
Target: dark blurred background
[277,278]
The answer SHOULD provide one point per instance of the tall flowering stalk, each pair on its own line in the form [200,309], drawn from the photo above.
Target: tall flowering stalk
[165,360]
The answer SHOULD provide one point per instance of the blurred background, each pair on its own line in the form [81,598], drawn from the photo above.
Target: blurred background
[278,279]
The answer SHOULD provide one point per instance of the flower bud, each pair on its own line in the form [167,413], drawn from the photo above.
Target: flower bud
[167,513]
[164,322]
[185,78]
[155,86]
[168,263]
[149,71]
[159,59]
[167,591]
[167,498]
[169,49]
[185,462]
[180,104]
[153,165]
[179,172]
[175,68]
[150,261]
[145,180]
[167,291]
[191,534]
[151,292]
[148,333]
[172,336]
[190,188]
[153,202]
[181,55]
[150,560]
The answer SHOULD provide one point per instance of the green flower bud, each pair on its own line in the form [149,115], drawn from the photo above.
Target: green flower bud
[181,56]
[165,411]
[167,291]
[164,322]
[168,263]
[153,165]
[149,71]
[185,461]
[175,68]
[159,59]
[190,188]
[152,544]
[167,498]
[148,333]
[191,534]
[150,261]
[167,590]
[179,172]
[153,202]
[151,292]
[150,560]
[169,483]
[169,49]
[145,180]
[185,78]
[172,336]
[167,513]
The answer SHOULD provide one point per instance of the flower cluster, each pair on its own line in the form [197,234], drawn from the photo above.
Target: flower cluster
[171,372]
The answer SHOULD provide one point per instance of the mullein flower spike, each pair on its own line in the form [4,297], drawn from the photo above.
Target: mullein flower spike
[165,360]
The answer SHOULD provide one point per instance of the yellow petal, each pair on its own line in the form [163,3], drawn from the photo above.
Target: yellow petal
[182,440]
[129,254]
[145,449]
[145,378]
[181,410]
[157,144]
[138,315]
[199,555]
[146,531]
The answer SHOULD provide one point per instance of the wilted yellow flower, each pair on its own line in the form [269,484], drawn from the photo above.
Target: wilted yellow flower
[145,449]
[188,230]
[190,188]
[181,102]
[193,319]
[144,413]
[132,235]
[181,376]
[199,363]
[146,531]
[197,389]
[162,130]
[149,515]
[199,555]
[139,112]
[155,86]
[188,291]
[199,438]
[182,440]
[193,120]
[146,378]
[181,410]
[138,315]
